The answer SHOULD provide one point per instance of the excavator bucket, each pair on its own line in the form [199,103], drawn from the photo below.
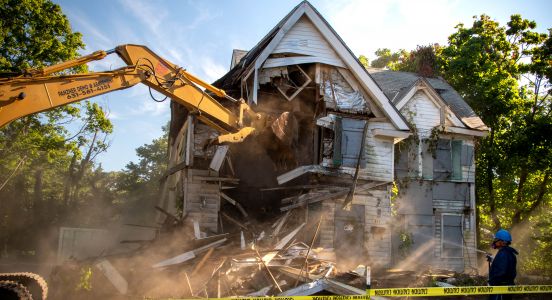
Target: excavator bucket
[285,128]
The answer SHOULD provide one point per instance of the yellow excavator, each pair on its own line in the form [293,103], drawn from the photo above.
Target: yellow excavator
[37,90]
[41,89]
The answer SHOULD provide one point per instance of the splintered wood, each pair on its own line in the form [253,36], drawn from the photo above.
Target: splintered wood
[280,256]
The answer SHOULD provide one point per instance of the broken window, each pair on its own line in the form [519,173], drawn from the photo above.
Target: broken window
[451,236]
[341,141]
[289,81]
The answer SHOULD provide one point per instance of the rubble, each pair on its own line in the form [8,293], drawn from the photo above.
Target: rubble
[277,257]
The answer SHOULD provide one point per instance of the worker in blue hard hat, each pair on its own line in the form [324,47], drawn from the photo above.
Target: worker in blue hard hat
[503,266]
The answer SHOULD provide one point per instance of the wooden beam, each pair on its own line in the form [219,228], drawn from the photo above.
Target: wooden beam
[202,261]
[315,199]
[188,255]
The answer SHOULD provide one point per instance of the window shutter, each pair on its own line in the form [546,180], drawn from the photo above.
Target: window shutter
[456,159]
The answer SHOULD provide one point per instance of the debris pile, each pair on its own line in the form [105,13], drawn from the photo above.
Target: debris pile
[275,257]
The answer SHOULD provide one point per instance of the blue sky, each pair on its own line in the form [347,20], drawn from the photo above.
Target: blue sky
[200,36]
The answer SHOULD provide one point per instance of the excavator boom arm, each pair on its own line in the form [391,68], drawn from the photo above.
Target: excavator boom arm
[35,91]
[24,96]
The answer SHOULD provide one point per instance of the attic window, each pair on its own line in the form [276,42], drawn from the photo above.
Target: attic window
[293,83]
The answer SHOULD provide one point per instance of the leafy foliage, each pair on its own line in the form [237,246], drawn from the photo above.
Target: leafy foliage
[504,74]
[35,33]
[364,61]
[140,181]
[43,163]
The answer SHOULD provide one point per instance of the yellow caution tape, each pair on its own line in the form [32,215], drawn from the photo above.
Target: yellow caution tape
[418,292]
[460,291]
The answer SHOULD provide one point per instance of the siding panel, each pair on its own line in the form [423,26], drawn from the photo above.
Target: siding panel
[304,38]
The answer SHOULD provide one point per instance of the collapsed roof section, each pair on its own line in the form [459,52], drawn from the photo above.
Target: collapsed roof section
[305,37]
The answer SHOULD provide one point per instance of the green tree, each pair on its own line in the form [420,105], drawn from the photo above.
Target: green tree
[36,151]
[504,74]
[422,60]
[387,59]
[139,183]
[364,61]
[35,33]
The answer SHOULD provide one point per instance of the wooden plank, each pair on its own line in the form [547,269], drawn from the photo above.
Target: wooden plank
[305,289]
[202,261]
[281,244]
[109,271]
[287,61]
[234,221]
[316,198]
[189,152]
[219,179]
[188,255]
[281,223]
[197,232]
[235,203]
[218,158]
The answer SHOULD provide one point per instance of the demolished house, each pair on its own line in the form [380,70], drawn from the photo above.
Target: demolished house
[341,130]
[292,210]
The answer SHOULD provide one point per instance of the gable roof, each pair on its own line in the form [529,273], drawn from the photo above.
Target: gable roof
[255,58]
[396,85]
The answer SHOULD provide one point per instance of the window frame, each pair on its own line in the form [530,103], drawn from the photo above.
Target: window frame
[461,230]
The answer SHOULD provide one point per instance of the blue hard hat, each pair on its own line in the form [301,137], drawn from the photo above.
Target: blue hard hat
[503,235]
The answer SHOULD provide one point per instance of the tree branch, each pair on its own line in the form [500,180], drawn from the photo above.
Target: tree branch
[13,172]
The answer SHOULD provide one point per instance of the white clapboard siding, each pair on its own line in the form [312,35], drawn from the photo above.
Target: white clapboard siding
[303,38]
[327,230]
[377,213]
[202,200]
[423,112]
[378,153]
[297,60]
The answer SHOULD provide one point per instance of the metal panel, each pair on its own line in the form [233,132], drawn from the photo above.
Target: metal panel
[443,191]
[416,199]
[456,150]
[451,191]
[349,232]
[461,192]
[218,158]
[427,162]
[467,155]
[351,139]
[337,157]
[451,236]
[81,243]
[401,159]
